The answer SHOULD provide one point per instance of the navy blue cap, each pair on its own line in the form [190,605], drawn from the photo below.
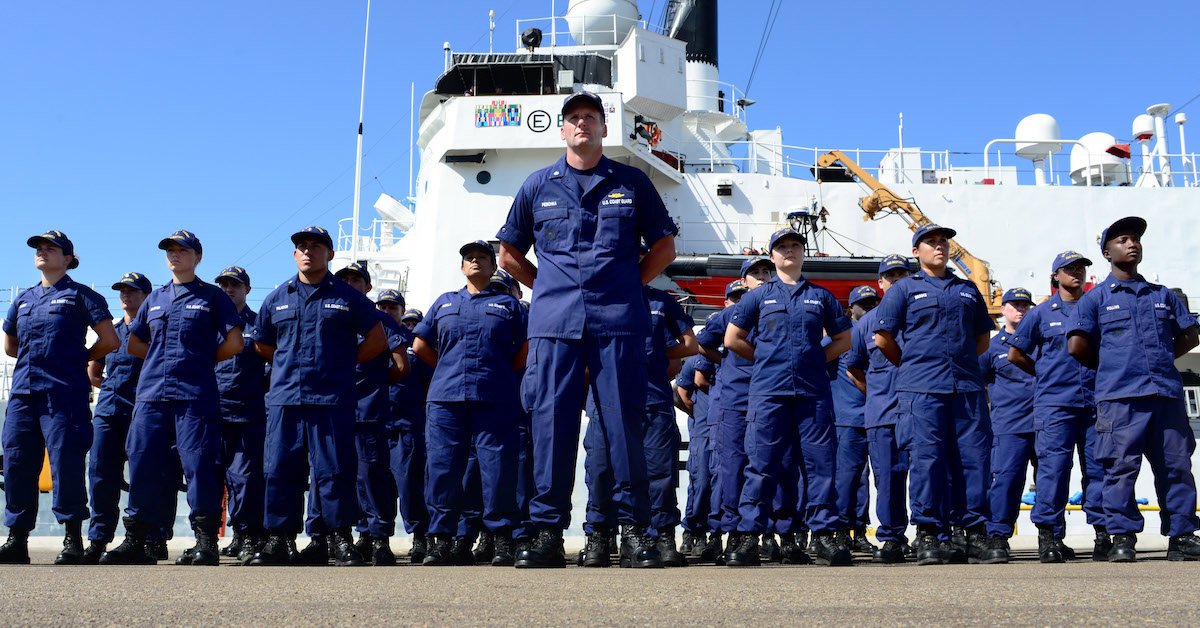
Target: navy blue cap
[236,273]
[862,293]
[183,238]
[734,286]
[755,261]
[315,233]
[502,278]
[134,280]
[477,244]
[1131,225]
[893,261]
[1016,294]
[783,233]
[1066,258]
[357,267]
[59,239]
[925,230]
[583,96]
[390,295]
[413,314]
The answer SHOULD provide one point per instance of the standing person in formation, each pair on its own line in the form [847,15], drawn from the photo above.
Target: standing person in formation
[376,487]
[853,478]
[116,375]
[789,316]
[242,381]
[1131,331]
[933,326]
[694,402]
[475,340]
[1010,392]
[1064,407]
[309,329]
[876,377]
[406,430]
[586,215]
[182,330]
[46,331]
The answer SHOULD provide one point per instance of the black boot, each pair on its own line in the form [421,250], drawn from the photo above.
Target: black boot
[768,549]
[595,552]
[1048,546]
[315,554]
[860,543]
[790,551]
[157,549]
[72,552]
[811,547]
[15,550]
[712,548]
[502,549]
[546,551]
[461,550]
[207,552]
[131,551]
[1103,545]
[665,545]
[186,557]
[252,543]
[365,544]
[293,553]
[731,544]
[832,550]
[954,551]
[381,552]
[688,543]
[929,549]
[95,549]
[1123,549]
[892,552]
[637,549]
[438,551]
[746,553]
[275,551]
[978,544]
[235,544]
[1183,547]
[416,553]
[344,552]
[998,550]
[485,549]
[1067,552]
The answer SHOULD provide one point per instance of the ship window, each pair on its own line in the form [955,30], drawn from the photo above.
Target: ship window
[484,177]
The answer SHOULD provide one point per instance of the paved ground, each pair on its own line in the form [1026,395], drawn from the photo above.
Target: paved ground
[1023,592]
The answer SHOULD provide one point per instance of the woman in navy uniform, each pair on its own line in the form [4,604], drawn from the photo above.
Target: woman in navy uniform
[1131,331]
[849,403]
[475,340]
[46,331]
[406,430]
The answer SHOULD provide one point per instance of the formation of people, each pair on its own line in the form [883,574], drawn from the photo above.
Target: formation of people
[463,422]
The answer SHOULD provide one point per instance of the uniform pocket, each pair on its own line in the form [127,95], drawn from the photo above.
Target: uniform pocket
[551,227]
[617,222]
[1116,327]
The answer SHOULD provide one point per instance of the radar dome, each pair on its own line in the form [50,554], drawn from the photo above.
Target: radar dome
[601,22]
[1143,127]
[1037,137]
[1106,168]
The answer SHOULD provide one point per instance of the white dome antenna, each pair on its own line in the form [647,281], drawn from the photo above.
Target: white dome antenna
[1038,137]
[601,22]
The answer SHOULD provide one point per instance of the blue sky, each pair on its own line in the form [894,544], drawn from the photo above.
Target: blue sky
[123,121]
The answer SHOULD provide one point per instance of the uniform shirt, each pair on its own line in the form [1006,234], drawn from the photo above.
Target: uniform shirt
[407,396]
[371,377]
[849,404]
[50,325]
[476,337]
[731,390]
[587,248]
[242,379]
[668,322]
[315,340]
[788,357]
[121,371]
[938,320]
[686,380]
[1135,324]
[881,399]
[183,324]
[1010,390]
[1061,379]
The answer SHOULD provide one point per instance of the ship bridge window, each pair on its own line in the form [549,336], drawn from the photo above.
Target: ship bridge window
[518,73]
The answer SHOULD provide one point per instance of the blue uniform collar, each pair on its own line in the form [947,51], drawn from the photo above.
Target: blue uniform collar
[466,294]
[1134,285]
[294,283]
[776,280]
[924,276]
[560,167]
[62,284]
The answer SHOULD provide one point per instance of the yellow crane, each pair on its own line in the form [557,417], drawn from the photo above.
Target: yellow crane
[883,200]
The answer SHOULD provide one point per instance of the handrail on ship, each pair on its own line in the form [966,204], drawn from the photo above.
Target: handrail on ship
[554,31]
[380,235]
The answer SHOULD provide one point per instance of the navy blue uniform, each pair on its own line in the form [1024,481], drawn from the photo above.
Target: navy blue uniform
[1139,399]
[177,419]
[242,381]
[406,439]
[1010,391]
[849,403]
[941,400]
[110,428]
[1064,405]
[48,402]
[311,403]
[700,476]
[472,401]
[588,311]
[727,418]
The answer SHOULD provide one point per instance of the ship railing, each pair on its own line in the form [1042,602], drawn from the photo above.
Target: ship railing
[757,157]
[733,237]
[378,237]
[725,97]
[596,28]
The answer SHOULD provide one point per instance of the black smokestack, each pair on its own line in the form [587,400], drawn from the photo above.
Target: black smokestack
[695,22]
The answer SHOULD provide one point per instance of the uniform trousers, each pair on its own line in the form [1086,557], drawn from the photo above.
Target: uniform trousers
[1011,456]
[242,456]
[165,436]
[36,425]
[451,429]
[1061,431]
[889,461]
[312,445]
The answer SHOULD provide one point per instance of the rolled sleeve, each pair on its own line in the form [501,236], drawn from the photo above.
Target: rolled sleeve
[654,223]
[713,334]
[427,329]
[10,319]
[264,327]
[889,315]
[1084,319]
[95,308]
[983,321]
[678,321]
[518,228]
[745,312]
[1183,318]
[836,320]
[138,326]
[858,347]
[363,312]
[1027,335]
[225,314]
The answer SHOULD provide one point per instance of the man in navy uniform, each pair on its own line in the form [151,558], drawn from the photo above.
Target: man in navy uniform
[1010,393]
[586,215]
[1131,331]
[242,381]
[309,329]
[853,489]
[1064,406]
[933,326]
[46,331]
[693,401]
[182,330]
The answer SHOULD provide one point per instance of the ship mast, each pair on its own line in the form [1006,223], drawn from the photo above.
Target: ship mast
[358,152]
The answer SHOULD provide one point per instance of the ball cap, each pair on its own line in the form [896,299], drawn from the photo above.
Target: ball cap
[862,293]
[134,280]
[236,273]
[925,230]
[183,238]
[503,279]
[586,97]
[1130,225]
[1016,294]
[893,261]
[313,233]
[357,267]
[59,239]
[413,314]
[477,244]
[733,287]
[783,233]
[755,261]
[390,295]
[1066,258]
